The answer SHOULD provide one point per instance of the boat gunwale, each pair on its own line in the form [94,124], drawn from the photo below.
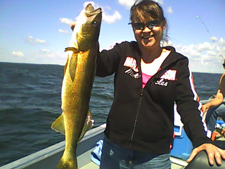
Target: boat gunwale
[56,150]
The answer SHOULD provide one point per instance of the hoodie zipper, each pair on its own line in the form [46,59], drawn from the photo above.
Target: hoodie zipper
[155,77]
[135,122]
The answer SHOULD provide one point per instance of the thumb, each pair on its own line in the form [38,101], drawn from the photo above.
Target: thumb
[192,156]
[72,26]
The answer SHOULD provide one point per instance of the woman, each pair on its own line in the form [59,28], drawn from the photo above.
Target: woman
[215,108]
[148,80]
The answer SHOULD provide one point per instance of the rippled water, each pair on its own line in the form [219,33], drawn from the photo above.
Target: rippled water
[30,102]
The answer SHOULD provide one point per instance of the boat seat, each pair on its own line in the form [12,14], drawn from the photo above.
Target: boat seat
[201,162]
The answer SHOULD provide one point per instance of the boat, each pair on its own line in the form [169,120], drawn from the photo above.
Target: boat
[49,157]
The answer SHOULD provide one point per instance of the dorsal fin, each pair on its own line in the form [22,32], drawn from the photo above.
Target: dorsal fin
[75,50]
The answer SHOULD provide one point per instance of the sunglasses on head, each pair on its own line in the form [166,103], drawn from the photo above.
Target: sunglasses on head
[150,24]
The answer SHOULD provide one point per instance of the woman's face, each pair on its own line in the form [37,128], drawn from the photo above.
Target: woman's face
[149,37]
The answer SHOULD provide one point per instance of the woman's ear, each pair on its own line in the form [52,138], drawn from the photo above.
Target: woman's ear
[164,24]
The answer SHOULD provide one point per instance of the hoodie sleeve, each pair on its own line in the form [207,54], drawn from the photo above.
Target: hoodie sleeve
[188,106]
[108,61]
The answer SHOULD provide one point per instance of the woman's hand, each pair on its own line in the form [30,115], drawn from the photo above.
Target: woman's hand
[72,26]
[213,152]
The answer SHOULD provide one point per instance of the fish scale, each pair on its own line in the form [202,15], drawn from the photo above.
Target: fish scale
[78,79]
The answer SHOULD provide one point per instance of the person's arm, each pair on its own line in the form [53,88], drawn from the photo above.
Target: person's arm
[214,102]
[219,96]
[192,122]
[107,60]
[188,106]
[214,153]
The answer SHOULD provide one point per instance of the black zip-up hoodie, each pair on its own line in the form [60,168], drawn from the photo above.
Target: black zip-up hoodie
[142,119]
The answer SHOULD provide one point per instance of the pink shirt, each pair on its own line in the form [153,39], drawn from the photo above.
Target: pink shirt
[145,78]
[152,68]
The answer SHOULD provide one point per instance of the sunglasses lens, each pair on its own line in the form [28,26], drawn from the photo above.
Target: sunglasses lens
[152,24]
[139,26]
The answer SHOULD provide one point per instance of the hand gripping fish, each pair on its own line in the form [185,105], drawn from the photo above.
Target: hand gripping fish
[78,79]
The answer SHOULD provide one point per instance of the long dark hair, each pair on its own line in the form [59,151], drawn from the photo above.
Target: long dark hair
[147,10]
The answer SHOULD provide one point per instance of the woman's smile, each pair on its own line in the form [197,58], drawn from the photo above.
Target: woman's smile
[149,37]
[146,36]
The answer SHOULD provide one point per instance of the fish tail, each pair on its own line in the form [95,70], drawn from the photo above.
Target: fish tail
[67,164]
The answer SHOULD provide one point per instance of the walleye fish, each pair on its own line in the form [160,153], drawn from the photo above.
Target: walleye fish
[78,79]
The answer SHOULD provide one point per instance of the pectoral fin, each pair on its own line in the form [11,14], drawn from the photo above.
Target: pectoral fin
[58,125]
[89,122]
[75,50]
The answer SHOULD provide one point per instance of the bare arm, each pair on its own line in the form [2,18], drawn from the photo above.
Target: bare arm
[214,102]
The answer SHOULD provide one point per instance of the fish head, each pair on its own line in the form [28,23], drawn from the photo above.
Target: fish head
[87,28]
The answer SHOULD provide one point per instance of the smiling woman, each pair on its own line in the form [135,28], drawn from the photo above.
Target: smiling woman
[21,19]
[149,79]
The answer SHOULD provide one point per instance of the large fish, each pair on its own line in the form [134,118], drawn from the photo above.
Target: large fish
[78,79]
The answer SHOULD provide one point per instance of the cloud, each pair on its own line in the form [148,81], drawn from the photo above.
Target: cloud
[111,18]
[66,21]
[44,50]
[205,57]
[160,2]
[220,44]
[204,47]
[129,3]
[32,40]
[63,31]
[45,56]
[105,16]
[189,50]
[126,3]
[40,41]
[18,53]
[169,9]
[213,38]
[222,41]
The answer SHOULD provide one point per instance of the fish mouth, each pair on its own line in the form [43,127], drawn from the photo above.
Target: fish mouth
[90,11]
[87,28]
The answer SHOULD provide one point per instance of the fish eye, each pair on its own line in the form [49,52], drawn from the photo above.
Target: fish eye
[95,23]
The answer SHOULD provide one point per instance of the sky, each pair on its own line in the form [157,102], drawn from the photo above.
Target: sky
[38,31]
